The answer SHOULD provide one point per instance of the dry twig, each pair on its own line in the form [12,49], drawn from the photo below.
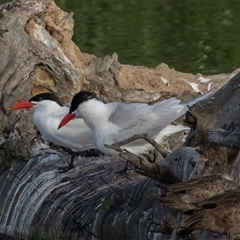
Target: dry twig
[116,146]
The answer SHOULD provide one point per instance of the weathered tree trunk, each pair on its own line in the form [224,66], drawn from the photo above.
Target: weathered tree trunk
[93,201]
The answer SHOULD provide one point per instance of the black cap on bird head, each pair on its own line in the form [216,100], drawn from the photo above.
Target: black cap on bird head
[82,96]
[45,96]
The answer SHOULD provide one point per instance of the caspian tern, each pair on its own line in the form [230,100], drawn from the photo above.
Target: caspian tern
[48,112]
[115,121]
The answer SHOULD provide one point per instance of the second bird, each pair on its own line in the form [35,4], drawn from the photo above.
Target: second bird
[48,112]
[115,121]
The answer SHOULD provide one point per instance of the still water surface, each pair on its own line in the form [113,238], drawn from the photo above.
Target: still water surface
[190,36]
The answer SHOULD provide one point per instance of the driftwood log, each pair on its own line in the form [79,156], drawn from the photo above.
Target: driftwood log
[94,201]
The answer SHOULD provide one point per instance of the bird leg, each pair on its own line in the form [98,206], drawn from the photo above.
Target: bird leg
[116,146]
[125,169]
[90,152]
[73,154]
[70,164]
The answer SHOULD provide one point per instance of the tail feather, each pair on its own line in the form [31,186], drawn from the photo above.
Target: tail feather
[199,98]
[191,102]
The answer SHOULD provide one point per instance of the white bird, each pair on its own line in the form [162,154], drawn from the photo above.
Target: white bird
[115,121]
[48,112]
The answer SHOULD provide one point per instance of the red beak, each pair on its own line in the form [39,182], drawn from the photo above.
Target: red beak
[23,104]
[66,119]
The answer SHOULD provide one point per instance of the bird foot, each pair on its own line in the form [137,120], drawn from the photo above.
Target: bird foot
[124,171]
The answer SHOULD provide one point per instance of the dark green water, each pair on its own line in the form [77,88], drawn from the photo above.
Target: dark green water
[190,36]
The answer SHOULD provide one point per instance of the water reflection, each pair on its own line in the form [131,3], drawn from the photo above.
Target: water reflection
[191,36]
